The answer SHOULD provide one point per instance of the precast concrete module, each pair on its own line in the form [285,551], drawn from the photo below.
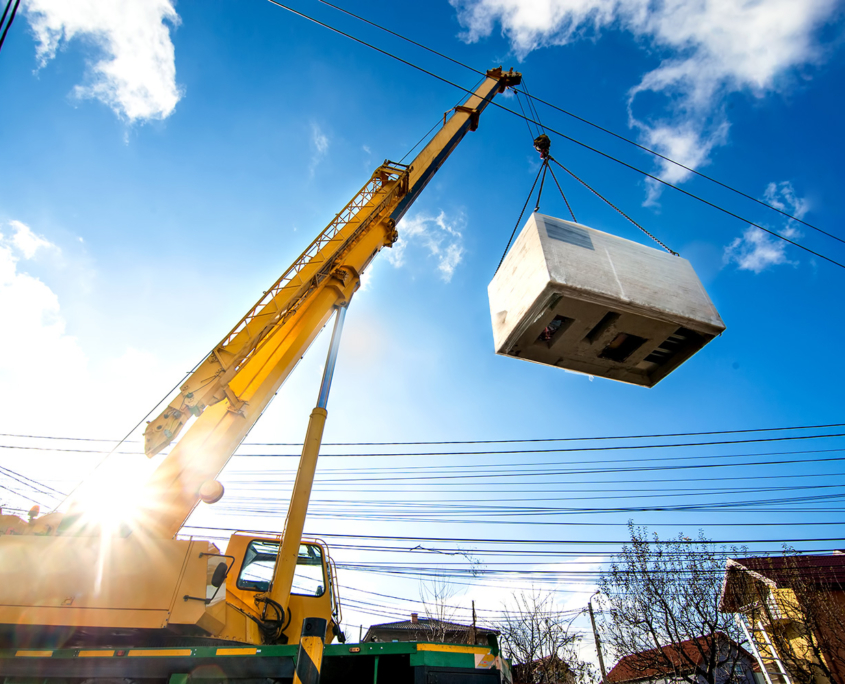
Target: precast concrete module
[570,296]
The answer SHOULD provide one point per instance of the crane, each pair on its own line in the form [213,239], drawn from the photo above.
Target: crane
[70,582]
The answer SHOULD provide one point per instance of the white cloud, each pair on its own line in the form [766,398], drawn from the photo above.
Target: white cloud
[712,48]
[47,368]
[36,350]
[685,142]
[782,196]
[135,72]
[28,242]
[755,250]
[320,143]
[438,236]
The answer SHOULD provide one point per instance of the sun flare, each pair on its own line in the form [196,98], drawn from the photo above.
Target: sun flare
[112,496]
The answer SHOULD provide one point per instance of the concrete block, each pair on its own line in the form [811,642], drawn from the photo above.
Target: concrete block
[574,297]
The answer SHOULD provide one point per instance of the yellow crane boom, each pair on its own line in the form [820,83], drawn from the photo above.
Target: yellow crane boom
[233,385]
[86,584]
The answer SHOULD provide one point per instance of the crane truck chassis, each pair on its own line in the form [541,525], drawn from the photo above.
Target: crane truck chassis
[370,663]
[85,602]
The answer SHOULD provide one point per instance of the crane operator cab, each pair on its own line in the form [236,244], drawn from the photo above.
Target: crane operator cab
[313,592]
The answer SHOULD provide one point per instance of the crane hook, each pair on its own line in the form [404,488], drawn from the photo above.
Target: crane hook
[542,143]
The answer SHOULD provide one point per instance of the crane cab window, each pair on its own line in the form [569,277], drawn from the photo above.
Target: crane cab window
[260,562]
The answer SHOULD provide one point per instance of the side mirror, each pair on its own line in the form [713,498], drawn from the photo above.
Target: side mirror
[219,575]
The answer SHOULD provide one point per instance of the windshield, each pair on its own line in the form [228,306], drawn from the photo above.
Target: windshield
[260,561]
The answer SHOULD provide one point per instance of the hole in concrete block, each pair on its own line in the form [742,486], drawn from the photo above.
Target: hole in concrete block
[607,320]
[678,342]
[621,347]
[554,329]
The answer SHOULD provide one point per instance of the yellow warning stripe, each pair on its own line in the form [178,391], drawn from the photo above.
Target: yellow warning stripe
[163,652]
[237,651]
[452,648]
[308,660]
[33,654]
[96,654]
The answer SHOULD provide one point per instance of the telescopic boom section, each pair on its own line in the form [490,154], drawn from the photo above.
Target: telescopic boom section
[231,388]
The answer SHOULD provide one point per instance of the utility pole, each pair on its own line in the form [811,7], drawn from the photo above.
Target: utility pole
[598,641]
[473,634]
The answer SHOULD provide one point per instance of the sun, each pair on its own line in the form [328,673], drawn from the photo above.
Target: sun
[111,498]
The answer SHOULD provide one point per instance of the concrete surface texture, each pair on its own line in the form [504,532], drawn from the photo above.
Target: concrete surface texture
[571,296]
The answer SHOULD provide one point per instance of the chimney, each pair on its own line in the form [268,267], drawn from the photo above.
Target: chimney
[414,617]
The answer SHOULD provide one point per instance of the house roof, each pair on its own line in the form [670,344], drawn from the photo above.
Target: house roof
[827,569]
[782,572]
[424,623]
[639,666]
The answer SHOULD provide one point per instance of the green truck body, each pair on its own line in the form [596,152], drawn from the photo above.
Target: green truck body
[370,663]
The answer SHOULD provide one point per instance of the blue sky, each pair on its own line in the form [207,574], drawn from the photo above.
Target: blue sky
[164,163]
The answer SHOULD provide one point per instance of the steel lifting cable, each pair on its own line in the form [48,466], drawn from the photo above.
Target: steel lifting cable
[543,145]
[545,167]
[524,115]
[519,220]
[571,213]
[609,203]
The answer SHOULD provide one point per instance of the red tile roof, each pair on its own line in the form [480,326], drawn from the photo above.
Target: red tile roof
[784,570]
[642,665]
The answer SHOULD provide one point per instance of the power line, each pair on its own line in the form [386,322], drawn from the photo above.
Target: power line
[11,19]
[587,449]
[468,540]
[32,484]
[521,466]
[484,441]
[532,98]
[563,135]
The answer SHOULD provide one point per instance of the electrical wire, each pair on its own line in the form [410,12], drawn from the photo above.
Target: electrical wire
[564,136]
[32,484]
[632,447]
[430,130]
[11,19]
[488,441]
[532,99]
[566,542]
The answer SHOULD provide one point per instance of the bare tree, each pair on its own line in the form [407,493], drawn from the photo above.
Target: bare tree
[540,641]
[661,601]
[794,607]
[435,595]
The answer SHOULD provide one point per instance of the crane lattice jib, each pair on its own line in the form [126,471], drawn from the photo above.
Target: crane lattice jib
[209,382]
[236,382]
[289,288]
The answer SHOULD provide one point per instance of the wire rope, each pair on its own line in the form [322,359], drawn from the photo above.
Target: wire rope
[11,19]
[563,135]
[488,441]
[519,220]
[612,206]
[644,148]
